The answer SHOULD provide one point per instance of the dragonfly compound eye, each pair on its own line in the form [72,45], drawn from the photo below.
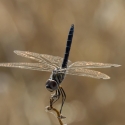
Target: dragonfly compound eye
[51,85]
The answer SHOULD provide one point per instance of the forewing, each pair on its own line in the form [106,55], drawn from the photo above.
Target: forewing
[52,60]
[92,65]
[86,72]
[31,66]
[30,55]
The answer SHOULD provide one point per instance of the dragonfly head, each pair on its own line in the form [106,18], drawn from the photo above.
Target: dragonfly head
[51,85]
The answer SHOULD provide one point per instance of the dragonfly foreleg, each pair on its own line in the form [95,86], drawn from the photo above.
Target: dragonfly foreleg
[55,97]
[62,92]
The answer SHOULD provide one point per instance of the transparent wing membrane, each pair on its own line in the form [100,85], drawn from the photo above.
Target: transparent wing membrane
[49,63]
[92,65]
[87,72]
[31,66]
[30,55]
[52,60]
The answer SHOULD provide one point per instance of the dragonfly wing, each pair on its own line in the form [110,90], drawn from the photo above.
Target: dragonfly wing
[30,55]
[54,59]
[92,65]
[51,60]
[31,66]
[86,72]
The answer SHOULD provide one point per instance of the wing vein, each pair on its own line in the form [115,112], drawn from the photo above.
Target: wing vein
[87,72]
[31,66]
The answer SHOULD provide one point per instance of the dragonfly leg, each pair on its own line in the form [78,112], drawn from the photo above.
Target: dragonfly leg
[62,92]
[55,97]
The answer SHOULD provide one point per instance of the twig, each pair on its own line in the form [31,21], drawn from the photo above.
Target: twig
[59,116]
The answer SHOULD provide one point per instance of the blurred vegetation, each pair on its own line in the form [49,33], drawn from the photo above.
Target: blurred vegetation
[42,26]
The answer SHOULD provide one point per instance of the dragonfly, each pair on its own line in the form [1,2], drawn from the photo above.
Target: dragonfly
[59,68]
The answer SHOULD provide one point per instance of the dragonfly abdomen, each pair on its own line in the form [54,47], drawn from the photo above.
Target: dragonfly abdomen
[68,46]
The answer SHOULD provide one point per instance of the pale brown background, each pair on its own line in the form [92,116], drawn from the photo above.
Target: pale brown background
[42,26]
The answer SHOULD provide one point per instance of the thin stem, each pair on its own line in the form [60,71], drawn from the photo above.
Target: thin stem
[58,115]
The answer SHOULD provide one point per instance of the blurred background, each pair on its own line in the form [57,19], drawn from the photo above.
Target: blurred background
[42,26]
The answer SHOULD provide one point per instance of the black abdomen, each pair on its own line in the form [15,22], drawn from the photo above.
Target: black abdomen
[68,46]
